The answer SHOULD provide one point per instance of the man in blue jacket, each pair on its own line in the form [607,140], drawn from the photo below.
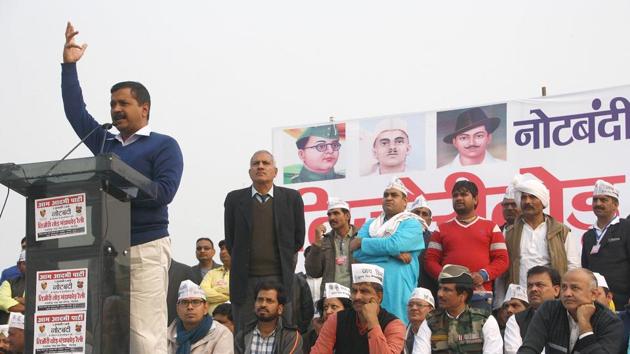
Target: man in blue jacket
[159,158]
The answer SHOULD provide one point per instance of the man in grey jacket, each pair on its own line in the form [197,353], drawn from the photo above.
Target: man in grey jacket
[330,257]
[576,322]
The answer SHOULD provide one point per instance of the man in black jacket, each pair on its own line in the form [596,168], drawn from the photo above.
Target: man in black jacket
[606,246]
[264,229]
[575,323]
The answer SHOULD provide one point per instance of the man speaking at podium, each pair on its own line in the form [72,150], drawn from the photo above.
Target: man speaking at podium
[157,157]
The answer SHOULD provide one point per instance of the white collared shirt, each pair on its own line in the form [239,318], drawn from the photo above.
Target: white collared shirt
[254,192]
[144,131]
[534,250]
[599,233]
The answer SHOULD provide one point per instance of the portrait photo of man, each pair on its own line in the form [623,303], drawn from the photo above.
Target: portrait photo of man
[318,149]
[471,136]
[390,146]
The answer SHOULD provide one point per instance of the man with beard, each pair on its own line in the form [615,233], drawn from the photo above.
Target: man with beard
[390,147]
[318,148]
[543,284]
[157,157]
[393,240]
[606,246]
[536,238]
[330,257]
[456,327]
[268,333]
[367,328]
[576,322]
[471,241]
[472,138]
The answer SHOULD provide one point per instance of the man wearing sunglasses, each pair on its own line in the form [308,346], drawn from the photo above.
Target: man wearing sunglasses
[318,148]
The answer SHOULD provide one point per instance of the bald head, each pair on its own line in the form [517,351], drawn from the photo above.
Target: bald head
[578,287]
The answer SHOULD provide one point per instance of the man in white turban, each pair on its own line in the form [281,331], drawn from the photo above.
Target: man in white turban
[537,238]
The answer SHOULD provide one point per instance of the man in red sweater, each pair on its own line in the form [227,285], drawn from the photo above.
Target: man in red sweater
[471,241]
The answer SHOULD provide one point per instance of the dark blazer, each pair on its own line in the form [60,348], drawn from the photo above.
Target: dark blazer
[288,221]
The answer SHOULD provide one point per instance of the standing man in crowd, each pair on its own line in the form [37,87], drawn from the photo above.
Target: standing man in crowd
[575,323]
[367,327]
[390,147]
[330,257]
[13,271]
[471,241]
[393,241]
[536,238]
[269,333]
[205,255]
[456,327]
[216,284]
[156,156]
[511,211]
[606,246]
[264,229]
[543,284]
[472,138]
[420,207]
[318,148]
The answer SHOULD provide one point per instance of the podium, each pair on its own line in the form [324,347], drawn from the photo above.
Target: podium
[77,233]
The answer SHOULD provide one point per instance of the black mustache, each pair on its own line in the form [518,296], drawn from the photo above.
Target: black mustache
[118,116]
[473,147]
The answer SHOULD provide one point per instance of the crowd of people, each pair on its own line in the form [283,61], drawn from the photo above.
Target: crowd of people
[389,286]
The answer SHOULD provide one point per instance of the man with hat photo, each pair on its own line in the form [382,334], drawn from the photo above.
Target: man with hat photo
[330,257]
[194,331]
[472,137]
[318,148]
[455,327]
[606,245]
[367,327]
[393,240]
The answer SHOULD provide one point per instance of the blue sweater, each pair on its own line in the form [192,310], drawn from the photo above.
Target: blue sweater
[158,157]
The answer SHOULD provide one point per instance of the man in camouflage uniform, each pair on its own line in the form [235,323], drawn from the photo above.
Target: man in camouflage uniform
[318,148]
[455,327]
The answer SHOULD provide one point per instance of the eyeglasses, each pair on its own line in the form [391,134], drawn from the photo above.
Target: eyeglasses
[321,147]
[194,303]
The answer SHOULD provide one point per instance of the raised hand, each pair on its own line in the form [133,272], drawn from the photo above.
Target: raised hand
[72,52]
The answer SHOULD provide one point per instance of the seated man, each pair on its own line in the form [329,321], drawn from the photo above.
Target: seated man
[456,327]
[420,304]
[268,333]
[515,301]
[604,295]
[367,327]
[543,284]
[16,333]
[223,315]
[194,331]
[12,292]
[575,323]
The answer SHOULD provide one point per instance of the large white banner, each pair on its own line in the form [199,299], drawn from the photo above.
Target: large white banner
[566,141]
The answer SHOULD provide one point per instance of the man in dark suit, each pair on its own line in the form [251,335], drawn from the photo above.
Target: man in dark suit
[264,229]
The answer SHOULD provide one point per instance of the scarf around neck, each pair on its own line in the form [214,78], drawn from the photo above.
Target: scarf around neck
[185,339]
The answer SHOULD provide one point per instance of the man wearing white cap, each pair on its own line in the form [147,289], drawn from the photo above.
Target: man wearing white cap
[16,333]
[393,241]
[543,284]
[194,331]
[420,304]
[330,256]
[510,209]
[420,207]
[606,246]
[12,291]
[367,327]
[515,301]
[604,295]
[536,238]
[390,147]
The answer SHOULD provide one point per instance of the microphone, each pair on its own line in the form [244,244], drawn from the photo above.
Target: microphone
[106,126]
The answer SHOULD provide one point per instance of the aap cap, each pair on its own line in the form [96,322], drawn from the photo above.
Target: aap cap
[22,257]
[16,320]
[604,188]
[334,290]
[4,330]
[367,273]
[190,290]
[420,202]
[336,203]
[329,131]
[396,183]
[515,291]
[422,294]
[530,185]
[509,192]
[601,281]
[456,274]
